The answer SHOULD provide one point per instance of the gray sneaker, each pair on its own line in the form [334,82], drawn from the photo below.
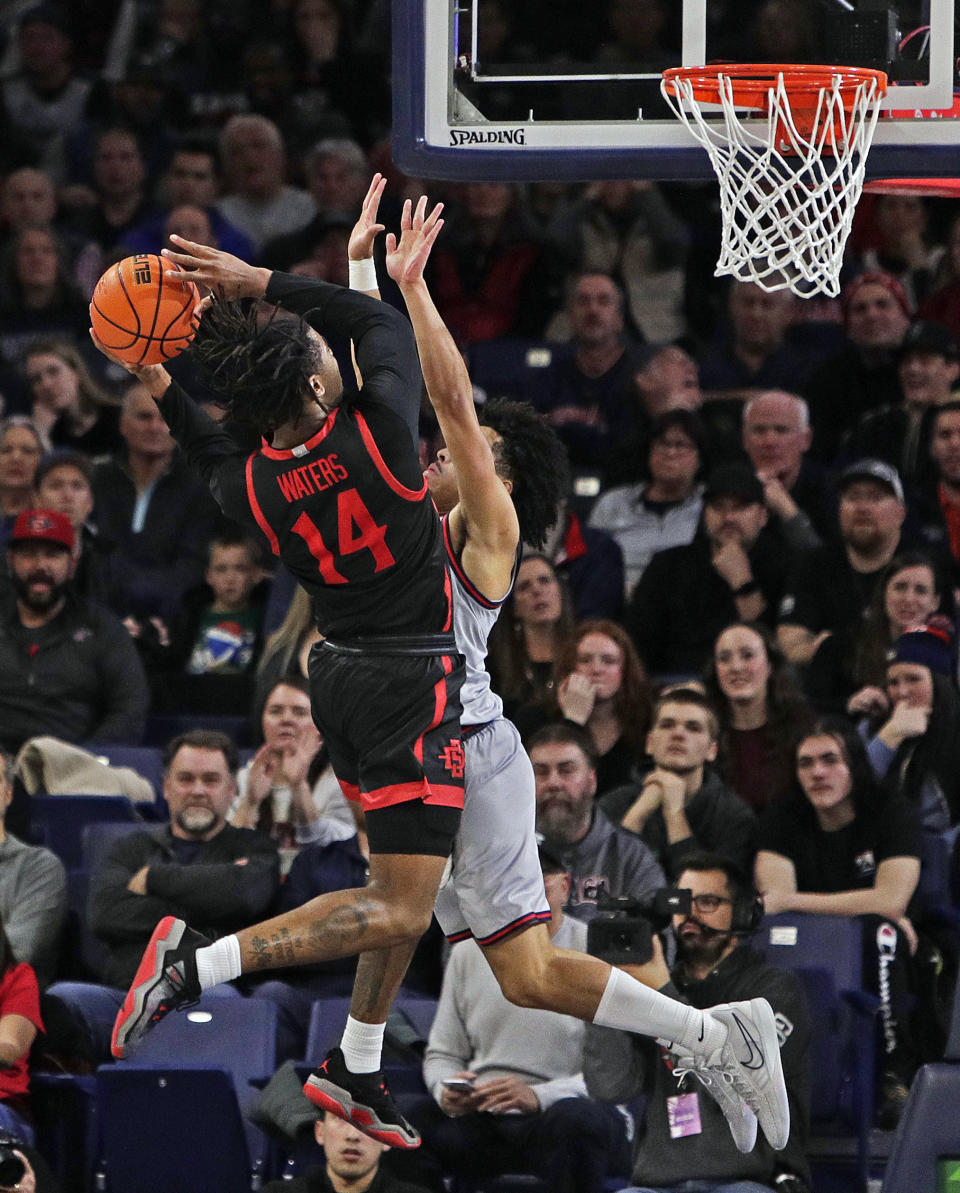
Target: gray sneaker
[719,1085]
[746,1069]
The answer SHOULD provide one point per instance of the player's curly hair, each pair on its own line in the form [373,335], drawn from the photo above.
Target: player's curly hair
[531,456]
[257,366]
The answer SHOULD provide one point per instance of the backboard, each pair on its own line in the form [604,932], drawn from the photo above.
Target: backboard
[524,90]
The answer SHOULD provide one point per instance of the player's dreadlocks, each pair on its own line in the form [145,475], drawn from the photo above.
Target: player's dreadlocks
[256,366]
[530,454]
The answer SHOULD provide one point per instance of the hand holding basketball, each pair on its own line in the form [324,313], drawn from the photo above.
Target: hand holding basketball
[139,315]
[418,231]
[223,273]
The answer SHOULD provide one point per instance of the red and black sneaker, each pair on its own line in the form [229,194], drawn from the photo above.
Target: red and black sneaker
[362,1099]
[166,981]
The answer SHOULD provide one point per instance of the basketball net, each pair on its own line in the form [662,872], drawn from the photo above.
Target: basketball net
[789,187]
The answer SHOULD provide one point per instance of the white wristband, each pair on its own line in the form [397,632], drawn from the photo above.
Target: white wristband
[363,275]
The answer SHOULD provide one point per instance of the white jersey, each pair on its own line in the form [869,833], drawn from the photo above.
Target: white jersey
[473,619]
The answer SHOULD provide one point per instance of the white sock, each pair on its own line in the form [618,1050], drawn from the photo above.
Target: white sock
[218,962]
[631,1006]
[361,1045]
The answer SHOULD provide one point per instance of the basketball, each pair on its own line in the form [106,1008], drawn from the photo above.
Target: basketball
[141,315]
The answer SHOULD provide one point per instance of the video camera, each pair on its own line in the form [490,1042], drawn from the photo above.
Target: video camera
[621,932]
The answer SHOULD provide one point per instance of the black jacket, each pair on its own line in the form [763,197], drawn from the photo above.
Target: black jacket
[619,1066]
[83,682]
[214,894]
[720,821]
[681,603]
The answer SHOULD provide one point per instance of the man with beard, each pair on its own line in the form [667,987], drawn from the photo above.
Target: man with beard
[832,585]
[67,666]
[197,865]
[593,849]
[684,1141]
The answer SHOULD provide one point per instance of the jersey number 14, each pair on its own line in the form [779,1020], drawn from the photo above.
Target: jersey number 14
[356,531]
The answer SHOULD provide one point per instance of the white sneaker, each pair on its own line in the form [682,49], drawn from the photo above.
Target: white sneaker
[740,1118]
[747,1067]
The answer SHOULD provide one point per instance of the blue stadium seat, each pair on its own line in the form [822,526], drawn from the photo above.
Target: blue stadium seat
[237,1035]
[929,1130]
[826,954]
[58,821]
[327,1019]
[147,761]
[171,1128]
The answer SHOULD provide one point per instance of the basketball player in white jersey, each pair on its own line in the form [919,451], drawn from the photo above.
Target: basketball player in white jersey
[494,486]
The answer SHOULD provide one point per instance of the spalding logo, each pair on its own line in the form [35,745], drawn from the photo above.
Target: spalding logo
[488,136]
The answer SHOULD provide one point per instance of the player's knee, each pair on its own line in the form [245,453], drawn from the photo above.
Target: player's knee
[525,986]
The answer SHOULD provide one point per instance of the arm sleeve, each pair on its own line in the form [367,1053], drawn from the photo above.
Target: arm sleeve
[615,1063]
[383,340]
[210,450]
[126,695]
[558,1088]
[116,914]
[880,755]
[39,905]
[214,892]
[22,996]
[735,838]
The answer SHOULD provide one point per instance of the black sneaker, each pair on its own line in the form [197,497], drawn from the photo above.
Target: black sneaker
[166,981]
[361,1099]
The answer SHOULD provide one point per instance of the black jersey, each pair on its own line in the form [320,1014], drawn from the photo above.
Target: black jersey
[348,511]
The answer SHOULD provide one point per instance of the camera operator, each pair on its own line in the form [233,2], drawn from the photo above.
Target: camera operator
[685,1137]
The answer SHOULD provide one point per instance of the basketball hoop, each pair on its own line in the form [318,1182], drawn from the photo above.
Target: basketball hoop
[787,191]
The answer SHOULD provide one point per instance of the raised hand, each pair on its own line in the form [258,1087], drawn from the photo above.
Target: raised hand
[407,258]
[224,274]
[366,229]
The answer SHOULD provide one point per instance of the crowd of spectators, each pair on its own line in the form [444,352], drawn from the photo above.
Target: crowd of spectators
[762,527]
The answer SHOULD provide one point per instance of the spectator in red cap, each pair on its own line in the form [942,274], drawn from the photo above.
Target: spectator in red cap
[862,375]
[68,668]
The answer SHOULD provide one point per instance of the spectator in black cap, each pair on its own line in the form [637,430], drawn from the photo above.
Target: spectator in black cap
[928,365]
[730,572]
[831,585]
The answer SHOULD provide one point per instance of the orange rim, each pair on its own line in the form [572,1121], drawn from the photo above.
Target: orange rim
[751,82]
[947,188]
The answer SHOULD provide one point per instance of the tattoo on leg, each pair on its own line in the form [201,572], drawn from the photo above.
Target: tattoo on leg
[284,946]
[261,953]
[342,931]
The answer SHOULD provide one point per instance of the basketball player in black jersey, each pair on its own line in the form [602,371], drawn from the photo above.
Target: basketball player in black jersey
[337,491]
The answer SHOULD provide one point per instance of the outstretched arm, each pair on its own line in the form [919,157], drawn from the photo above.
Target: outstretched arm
[490,521]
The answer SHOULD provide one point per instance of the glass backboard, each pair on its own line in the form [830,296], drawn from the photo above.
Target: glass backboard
[531,89]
